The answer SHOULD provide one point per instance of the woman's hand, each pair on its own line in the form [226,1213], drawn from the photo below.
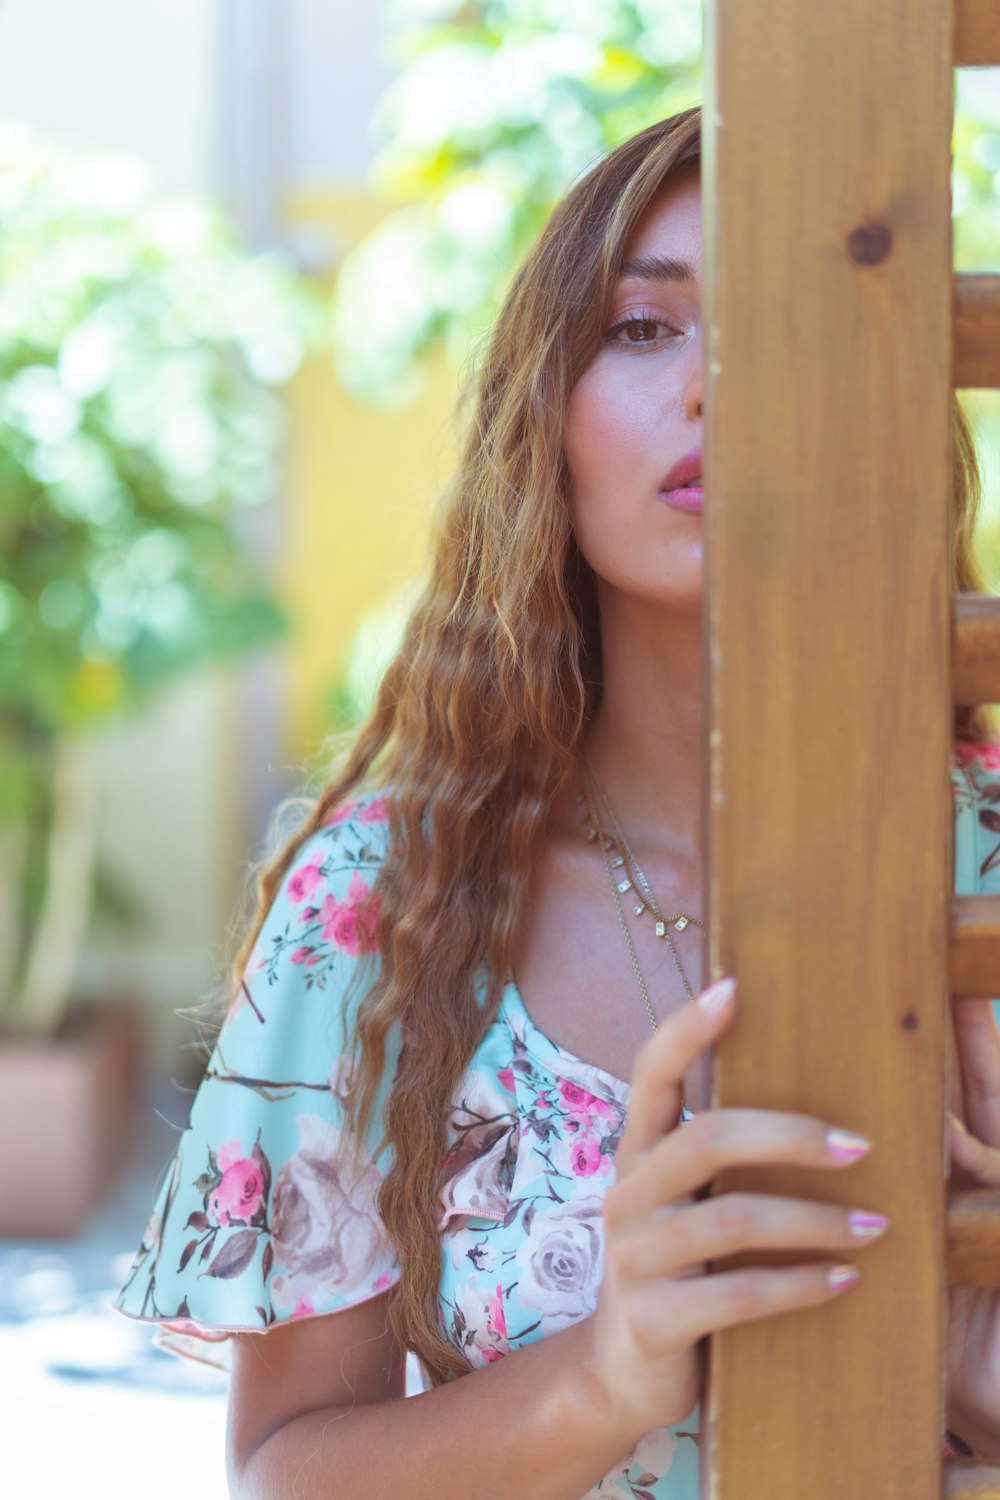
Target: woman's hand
[972,1348]
[657,1298]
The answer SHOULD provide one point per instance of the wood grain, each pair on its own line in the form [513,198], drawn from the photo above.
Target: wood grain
[974,1238]
[975,649]
[977,34]
[827,622]
[974,945]
[977,330]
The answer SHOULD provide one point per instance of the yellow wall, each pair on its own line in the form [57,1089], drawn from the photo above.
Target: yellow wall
[361,487]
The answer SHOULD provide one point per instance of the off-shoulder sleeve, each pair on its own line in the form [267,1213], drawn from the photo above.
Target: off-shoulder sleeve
[258,1217]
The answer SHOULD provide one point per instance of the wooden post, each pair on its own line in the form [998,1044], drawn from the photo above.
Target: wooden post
[828,819]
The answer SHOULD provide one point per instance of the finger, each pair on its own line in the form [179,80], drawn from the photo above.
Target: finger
[659,1069]
[978,1045]
[674,1314]
[973,1163]
[734,1222]
[687,1160]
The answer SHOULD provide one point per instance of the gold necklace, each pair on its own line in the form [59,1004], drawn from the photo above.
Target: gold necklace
[606,842]
[680,919]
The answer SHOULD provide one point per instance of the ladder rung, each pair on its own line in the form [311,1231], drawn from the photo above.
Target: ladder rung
[974,946]
[975,648]
[971,1479]
[977,34]
[974,1238]
[976,331]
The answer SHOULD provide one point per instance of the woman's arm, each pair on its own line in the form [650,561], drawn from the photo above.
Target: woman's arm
[315,1411]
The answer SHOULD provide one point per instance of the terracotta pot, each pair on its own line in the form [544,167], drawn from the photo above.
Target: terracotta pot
[67,1116]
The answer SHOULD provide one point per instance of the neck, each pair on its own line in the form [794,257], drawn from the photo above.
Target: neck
[645,740]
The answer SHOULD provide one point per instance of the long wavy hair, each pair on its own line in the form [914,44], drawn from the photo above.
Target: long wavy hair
[480,716]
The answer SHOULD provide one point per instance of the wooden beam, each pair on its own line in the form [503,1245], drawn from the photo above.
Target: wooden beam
[977,331]
[974,946]
[977,34]
[826,175]
[974,1238]
[975,648]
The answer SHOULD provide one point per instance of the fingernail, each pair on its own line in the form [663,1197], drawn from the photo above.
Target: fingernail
[841,1277]
[843,1146]
[957,1123]
[717,995]
[866,1226]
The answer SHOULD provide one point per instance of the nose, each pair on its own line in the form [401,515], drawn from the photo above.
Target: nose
[693,380]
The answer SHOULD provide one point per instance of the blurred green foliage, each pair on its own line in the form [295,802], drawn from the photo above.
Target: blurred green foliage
[141,349]
[138,350]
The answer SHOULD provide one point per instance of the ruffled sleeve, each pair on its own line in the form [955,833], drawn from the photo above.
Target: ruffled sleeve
[259,1218]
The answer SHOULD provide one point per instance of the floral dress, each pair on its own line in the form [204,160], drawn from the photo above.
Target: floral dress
[257,1221]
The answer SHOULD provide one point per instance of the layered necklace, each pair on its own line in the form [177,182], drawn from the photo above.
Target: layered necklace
[627,878]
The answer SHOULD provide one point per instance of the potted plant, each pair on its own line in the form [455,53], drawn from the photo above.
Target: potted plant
[140,352]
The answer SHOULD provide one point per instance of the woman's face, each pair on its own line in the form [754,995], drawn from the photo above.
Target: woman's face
[636,410]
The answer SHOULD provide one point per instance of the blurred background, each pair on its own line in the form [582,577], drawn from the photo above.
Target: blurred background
[249,250]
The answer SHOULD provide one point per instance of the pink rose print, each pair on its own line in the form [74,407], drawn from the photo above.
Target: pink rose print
[339,815]
[350,924]
[576,1098]
[305,956]
[382,1282]
[506,1077]
[238,1197]
[496,1318]
[987,753]
[303,883]
[375,812]
[302,1309]
[585,1158]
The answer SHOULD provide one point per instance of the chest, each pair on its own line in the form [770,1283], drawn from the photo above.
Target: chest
[575,971]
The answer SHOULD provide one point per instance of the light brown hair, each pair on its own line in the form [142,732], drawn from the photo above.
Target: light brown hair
[480,716]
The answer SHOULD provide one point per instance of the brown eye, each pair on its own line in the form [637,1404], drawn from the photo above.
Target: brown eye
[636,326]
[638,330]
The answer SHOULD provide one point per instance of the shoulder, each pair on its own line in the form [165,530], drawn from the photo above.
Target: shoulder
[326,906]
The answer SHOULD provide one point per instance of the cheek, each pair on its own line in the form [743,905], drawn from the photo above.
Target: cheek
[606,431]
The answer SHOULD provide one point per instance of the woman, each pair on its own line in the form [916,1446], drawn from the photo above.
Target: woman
[416,1130]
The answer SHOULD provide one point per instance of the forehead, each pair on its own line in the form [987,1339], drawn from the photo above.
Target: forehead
[668,236]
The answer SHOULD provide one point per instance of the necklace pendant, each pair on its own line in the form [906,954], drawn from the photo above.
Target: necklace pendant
[640,908]
[681,923]
[624,885]
[661,928]
[617,862]
[592,836]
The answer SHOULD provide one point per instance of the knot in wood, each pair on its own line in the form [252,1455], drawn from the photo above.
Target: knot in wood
[869,243]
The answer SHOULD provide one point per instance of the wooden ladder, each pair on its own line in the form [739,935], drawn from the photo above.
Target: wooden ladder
[837,333]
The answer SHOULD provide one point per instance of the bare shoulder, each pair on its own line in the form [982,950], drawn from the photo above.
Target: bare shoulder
[336,1361]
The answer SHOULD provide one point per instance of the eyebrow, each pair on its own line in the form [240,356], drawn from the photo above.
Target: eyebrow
[660,268]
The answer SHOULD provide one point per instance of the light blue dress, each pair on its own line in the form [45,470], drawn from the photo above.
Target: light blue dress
[257,1220]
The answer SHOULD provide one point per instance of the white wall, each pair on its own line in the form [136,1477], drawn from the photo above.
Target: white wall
[133,75]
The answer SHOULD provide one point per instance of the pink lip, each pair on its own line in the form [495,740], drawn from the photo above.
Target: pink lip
[686,468]
[688,498]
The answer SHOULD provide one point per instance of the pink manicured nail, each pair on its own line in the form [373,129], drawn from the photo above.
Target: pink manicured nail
[866,1226]
[841,1277]
[843,1146]
[717,994]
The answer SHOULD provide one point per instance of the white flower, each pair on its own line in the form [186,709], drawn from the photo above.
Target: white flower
[326,1233]
[562,1262]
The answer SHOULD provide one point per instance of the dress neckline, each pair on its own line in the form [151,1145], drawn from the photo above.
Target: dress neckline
[563,1063]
